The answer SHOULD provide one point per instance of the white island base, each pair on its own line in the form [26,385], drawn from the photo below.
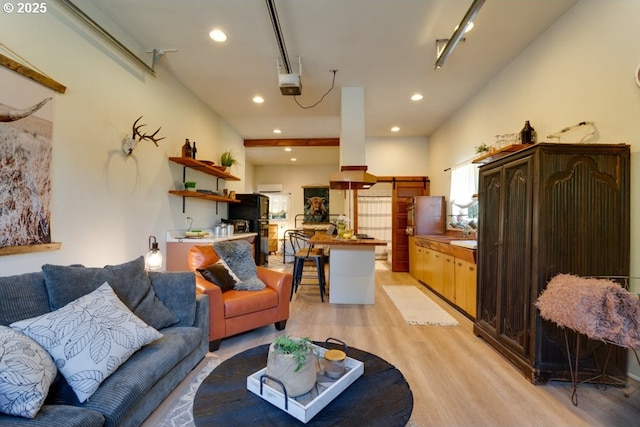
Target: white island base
[352,274]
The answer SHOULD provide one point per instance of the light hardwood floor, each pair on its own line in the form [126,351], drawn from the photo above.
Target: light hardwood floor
[456,378]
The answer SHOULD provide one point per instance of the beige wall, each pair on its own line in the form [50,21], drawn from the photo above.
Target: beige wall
[395,156]
[581,69]
[293,178]
[105,205]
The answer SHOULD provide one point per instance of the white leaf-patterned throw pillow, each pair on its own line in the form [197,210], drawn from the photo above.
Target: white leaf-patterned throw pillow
[26,373]
[89,338]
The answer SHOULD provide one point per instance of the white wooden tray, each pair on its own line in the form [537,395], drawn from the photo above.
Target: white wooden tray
[305,407]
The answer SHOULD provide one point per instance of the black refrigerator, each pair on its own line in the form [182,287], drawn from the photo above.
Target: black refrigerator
[255,209]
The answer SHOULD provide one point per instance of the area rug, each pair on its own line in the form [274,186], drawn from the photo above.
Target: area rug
[181,413]
[416,307]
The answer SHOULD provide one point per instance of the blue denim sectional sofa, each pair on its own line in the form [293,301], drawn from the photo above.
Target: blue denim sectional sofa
[131,393]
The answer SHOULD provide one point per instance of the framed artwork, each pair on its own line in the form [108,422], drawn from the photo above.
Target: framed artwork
[26,124]
[316,204]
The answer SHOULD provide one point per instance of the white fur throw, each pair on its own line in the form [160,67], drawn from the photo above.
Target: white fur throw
[598,308]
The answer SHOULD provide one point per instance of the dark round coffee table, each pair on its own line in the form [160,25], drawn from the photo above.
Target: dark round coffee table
[380,397]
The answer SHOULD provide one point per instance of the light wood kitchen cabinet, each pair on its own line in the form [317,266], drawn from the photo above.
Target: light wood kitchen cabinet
[273,238]
[413,257]
[447,277]
[465,286]
[437,270]
[427,265]
[545,210]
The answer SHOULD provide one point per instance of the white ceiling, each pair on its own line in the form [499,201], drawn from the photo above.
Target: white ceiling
[387,47]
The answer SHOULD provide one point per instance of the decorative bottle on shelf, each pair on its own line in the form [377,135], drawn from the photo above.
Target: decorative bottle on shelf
[528,134]
[194,150]
[186,148]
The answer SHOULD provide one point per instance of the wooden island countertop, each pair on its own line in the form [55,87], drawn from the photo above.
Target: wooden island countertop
[324,239]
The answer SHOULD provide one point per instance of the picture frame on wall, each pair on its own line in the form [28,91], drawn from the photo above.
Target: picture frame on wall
[26,127]
[316,204]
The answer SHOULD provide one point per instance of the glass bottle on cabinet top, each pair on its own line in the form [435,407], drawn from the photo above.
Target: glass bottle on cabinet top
[528,134]
[186,148]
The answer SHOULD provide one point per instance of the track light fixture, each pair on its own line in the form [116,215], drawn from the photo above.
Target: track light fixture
[444,47]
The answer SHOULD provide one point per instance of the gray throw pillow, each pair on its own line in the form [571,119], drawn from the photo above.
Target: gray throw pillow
[237,255]
[129,281]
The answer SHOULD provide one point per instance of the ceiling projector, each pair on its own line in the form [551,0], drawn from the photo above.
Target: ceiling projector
[290,84]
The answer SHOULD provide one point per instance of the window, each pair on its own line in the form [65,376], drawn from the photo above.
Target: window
[464,206]
[278,205]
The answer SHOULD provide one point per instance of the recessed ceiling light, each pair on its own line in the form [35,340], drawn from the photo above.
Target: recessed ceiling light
[218,35]
[277,131]
[416,97]
[395,129]
[287,149]
[258,99]
[293,159]
[466,30]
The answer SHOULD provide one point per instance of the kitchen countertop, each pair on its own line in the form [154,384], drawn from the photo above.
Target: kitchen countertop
[324,239]
[177,236]
[462,248]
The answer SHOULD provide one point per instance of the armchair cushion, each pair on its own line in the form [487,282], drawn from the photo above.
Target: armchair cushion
[237,255]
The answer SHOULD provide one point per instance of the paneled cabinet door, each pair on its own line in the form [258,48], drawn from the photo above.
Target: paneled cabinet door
[436,277]
[448,277]
[427,264]
[514,299]
[465,276]
[273,238]
[503,306]
[489,250]
[413,258]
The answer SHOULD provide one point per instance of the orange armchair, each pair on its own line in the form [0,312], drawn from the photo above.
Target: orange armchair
[233,312]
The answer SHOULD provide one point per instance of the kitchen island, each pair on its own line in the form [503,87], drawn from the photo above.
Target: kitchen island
[351,268]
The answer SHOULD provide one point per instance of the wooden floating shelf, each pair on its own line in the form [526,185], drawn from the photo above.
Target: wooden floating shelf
[41,247]
[203,196]
[204,168]
[491,156]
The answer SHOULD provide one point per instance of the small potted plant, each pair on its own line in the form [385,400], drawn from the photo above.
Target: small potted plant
[190,186]
[482,148]
[227,159]
[341,223]
[292,362]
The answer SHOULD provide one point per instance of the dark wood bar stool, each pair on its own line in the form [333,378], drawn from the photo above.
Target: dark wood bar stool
[308,264]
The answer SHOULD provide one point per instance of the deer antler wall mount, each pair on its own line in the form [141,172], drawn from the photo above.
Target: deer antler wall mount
[130,142]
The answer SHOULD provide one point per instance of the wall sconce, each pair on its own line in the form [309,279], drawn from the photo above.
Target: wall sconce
[153,259]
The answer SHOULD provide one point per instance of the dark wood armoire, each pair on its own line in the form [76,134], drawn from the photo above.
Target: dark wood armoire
[550,208]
